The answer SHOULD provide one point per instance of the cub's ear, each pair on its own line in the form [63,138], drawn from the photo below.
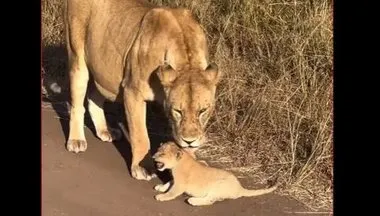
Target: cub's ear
[212,73]
[166,74]
[179,154]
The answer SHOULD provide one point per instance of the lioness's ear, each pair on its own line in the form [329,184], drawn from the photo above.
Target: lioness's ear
[179,154]
[212,73]
[166,74]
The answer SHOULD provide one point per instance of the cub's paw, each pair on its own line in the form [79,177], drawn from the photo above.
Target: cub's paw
[162,187]
[160,197]
[199,201]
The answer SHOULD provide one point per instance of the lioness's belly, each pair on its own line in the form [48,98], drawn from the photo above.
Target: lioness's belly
[105,65]
[107,78]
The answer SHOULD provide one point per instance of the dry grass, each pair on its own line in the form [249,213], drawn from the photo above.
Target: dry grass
[274,105]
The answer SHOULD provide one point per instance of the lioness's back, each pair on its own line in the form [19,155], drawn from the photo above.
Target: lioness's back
[103,32]
[80,10]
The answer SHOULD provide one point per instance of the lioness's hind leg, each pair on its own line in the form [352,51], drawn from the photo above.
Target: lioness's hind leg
[95,108]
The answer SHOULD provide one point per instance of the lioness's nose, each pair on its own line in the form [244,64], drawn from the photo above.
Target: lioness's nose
[189,140]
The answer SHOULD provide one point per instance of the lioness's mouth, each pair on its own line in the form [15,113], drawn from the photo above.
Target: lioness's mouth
[159,165]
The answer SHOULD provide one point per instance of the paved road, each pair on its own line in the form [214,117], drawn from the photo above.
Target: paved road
[98,183]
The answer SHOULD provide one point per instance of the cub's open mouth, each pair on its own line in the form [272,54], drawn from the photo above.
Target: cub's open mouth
[159,165]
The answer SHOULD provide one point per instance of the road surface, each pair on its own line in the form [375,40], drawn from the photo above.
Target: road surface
[98,183]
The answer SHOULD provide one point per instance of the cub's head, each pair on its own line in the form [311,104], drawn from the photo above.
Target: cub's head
[190,100]
[167,156]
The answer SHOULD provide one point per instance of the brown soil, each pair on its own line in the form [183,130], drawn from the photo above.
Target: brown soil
[98,182]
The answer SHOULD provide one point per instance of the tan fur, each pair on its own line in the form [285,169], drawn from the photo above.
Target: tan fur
[204,184]
[191,151]
[136,52]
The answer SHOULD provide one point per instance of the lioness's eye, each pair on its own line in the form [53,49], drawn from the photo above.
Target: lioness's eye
[177,112]
[202,111]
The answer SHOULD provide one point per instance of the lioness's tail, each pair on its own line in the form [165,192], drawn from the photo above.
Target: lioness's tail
[250,193]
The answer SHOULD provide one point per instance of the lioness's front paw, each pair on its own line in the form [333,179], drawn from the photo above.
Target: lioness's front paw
[112,134]
[76,146]
[141,173]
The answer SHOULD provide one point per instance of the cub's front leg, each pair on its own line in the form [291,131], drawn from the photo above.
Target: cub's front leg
[174,192]
[163,187]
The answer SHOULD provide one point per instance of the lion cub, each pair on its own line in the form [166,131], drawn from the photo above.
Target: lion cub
[204,184]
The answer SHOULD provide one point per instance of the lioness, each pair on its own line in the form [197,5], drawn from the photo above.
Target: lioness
[205,184]
[135,53]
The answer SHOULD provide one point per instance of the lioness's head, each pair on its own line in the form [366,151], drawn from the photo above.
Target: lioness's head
[167,156]
[190,99]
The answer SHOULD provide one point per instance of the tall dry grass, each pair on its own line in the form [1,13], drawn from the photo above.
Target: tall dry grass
[274,103]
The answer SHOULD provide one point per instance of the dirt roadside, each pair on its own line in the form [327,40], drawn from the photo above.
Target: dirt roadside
[97,182]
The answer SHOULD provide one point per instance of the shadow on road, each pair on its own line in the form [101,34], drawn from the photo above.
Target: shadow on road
[55,70]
